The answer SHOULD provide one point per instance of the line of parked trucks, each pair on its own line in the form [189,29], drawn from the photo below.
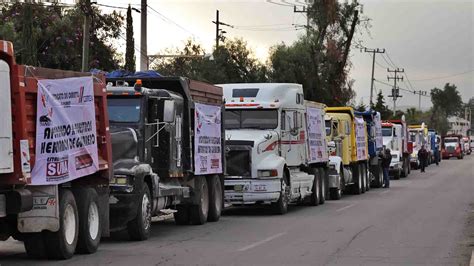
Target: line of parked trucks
[173,145]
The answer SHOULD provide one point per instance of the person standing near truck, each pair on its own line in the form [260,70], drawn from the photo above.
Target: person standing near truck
[386,160]
[422,156]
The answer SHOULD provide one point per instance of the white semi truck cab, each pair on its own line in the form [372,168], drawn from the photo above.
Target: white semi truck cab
[392,139]
[273,155]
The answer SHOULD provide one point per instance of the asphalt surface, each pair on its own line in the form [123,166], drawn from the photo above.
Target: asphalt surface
[425,219]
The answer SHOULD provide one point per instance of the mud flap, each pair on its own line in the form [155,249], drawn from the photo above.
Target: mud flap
[45,212]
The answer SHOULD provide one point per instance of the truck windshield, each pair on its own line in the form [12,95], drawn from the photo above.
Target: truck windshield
[259,119]
[450,140]
[386,131]
[124,110]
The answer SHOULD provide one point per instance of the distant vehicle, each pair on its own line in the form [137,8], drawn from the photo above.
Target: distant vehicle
[418,137]
[404,146]
[452,146]
[275,146]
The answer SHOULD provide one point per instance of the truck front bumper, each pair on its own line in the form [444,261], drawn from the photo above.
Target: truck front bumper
[251,191]
[395,168]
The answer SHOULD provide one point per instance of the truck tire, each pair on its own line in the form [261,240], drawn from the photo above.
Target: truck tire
[316,188]
[199,212]
[396,175]
[378,175]
[181,217]
[90,230]
[35,246]
[335,193]
[408,165]
[215,198]
[62,244]
[281,206]
[362,178]
[322,185]
[357,186]
[405,168]
[366,177]
[140,227]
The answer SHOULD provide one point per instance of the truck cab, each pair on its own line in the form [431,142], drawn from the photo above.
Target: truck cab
[418,137]
[267,148]
[452,146]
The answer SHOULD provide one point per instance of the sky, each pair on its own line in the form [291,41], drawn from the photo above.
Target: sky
[432,40]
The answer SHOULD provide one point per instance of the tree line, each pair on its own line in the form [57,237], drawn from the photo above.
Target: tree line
[51,36]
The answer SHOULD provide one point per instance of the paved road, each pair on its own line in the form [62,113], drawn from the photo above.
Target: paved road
[420,220]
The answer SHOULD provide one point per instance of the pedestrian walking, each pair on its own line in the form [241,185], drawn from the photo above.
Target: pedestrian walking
[423,157]
[386,160]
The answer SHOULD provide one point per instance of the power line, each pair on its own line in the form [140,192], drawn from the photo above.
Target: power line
[166,19]
[388,63]
[393,64]
[444,77]
[391,86]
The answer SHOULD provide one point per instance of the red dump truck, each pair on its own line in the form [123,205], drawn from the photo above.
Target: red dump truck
[55,158]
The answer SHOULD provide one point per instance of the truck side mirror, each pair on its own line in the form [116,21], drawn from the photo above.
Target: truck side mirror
[168,111]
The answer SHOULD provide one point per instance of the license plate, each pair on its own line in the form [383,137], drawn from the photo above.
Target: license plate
[238,188]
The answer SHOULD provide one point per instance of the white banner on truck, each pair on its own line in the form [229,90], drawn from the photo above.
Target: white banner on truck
[378,131]
[361,139]
[316,135]
[66,146]
[207,139]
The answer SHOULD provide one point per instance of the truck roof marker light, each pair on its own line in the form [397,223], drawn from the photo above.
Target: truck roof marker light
[241,99]
[138,85]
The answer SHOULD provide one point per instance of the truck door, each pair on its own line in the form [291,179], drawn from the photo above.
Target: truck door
[6,140]
[293,137]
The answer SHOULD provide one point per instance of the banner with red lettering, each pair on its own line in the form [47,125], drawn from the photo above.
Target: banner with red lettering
[66,146]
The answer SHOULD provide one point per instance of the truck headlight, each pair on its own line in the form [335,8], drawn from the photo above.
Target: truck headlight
[119,180]
[267,173]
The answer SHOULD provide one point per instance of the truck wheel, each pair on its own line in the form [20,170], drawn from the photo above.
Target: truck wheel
[408,165]
[316,189]
[378,175]
[181,217]
[322,185]
[367,178]
[90,230]
[199,213]
[396,175]
[62,244]
[215,198]
[405,169]
[335,193]
[357,186]
[362,178]
[35,246]
[281,206]
[140,227]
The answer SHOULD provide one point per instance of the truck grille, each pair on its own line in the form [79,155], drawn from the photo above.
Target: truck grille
[450,149]
[238,163]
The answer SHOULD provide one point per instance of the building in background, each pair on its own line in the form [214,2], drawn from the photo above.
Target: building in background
[458,125]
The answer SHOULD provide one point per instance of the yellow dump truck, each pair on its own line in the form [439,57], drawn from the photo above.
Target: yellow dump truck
[348,147]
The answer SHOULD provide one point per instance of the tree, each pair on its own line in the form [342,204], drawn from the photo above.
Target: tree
[231,62]
[59,44]
[130,46]
[361,107]
[380,106]
[319,60]
[446,102]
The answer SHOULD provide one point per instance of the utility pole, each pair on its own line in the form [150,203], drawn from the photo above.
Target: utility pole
[420,93]
[219,32]
[86,8]
[304,10]
[373,51]
[143,37]
[395,90]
